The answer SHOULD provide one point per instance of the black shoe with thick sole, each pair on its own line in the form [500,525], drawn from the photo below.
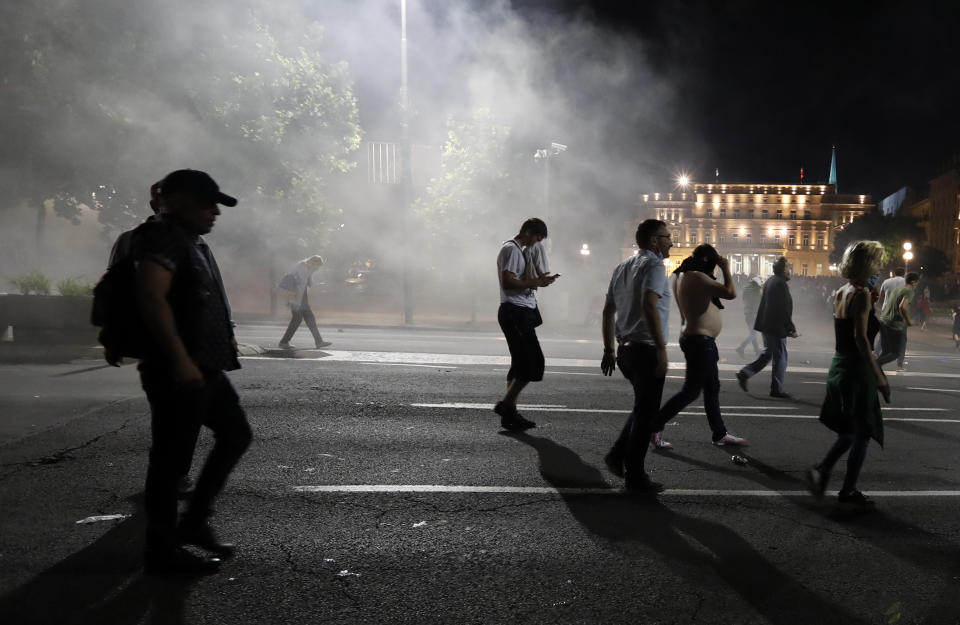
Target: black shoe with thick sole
[780,395]
[179,561]
[614,462]
[200,534]
[642,486]
[742,380]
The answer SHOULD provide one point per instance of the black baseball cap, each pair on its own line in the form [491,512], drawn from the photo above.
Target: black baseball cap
[195,181]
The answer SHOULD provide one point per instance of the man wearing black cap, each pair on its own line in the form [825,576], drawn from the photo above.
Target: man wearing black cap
[185,310]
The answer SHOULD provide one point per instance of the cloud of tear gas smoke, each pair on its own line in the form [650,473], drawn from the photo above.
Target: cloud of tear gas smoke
[177,87]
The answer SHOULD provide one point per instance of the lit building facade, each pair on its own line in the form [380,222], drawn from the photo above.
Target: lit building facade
[754,223]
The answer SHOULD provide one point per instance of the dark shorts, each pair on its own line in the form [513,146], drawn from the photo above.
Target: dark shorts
[519,327]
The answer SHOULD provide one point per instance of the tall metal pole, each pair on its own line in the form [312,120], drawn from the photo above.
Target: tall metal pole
[405,172]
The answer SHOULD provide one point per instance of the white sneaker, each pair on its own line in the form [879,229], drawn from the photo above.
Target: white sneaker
[656,439]
[730,439]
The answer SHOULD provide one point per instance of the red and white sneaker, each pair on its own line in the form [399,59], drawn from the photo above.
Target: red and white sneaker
[730,439]
[656,439]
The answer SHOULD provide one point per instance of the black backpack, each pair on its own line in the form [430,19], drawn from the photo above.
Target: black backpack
[116,312]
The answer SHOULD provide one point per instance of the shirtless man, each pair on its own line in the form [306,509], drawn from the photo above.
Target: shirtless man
[698,296]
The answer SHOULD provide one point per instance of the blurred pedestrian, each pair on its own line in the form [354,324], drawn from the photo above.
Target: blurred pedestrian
[519,317]
[185,310]
[295,284]
[698,296]
[751,302]
[923,309]
[775,322]
[887,286]
[956,325]
[894,320]
[851,407]
[636,313]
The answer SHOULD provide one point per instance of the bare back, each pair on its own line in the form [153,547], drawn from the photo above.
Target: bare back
[699,314]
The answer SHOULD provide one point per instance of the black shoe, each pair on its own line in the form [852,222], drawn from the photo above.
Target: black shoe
[200,534]
[642,486]
[781,395]
[614,462]
[516,423]
[742,380]
[179,561]
[855,499]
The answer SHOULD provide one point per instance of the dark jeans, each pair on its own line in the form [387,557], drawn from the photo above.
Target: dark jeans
[637,362]
[775,349]
[702,356]
[893,344]
[304,314]
[519,325]
[856,441]
[176,416]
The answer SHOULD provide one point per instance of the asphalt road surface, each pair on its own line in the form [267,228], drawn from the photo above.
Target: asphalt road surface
[380,489]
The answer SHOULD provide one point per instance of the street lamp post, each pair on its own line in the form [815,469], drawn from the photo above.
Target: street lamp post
[907,255]
[546,155]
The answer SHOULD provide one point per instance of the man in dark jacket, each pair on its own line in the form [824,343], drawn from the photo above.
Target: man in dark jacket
[186,312]
[774,322]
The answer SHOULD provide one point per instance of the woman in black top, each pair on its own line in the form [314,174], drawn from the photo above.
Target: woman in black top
[851,407]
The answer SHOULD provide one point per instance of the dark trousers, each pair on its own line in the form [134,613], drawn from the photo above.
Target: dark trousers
[775,349]
[176,416]
[856,441]
[893,345]
[702,356]
[304,314]
[519,326]
[637,362]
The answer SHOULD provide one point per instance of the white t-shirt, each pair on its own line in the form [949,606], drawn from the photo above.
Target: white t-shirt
[536,254]
[630,281]
[888,285]
[511,259]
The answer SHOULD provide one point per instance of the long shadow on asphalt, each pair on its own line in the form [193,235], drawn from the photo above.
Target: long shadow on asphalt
[921,430]
[629,519]
[102,584]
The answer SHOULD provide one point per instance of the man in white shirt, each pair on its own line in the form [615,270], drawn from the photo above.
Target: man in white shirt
[637,308]
[518,317]
[890,284]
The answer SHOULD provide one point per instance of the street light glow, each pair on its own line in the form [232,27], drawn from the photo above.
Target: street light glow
[683,180]
[908,246]
[908,256]
[585,250]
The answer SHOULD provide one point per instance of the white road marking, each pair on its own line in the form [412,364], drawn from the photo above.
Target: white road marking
[406,364]
[474,359]
[760,415]
[550,490]
[937,390]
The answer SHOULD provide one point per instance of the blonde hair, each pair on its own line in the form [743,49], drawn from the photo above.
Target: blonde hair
[860,259]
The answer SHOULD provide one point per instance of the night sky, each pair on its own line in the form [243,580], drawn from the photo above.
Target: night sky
[768,87]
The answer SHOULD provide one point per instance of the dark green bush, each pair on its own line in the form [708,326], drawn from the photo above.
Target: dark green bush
[32,283]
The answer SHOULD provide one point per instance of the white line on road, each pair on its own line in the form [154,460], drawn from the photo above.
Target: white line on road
[534,408]
[937,390]
[550,490]
[473,359]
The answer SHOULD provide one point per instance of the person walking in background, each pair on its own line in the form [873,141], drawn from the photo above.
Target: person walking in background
[296,284]
[751,302]
[519,317]
[956,325]
[888,285]
[636,313]
[851,407]
[185,311]
[775,322]
[698,296]
[894,320]
[923,309]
